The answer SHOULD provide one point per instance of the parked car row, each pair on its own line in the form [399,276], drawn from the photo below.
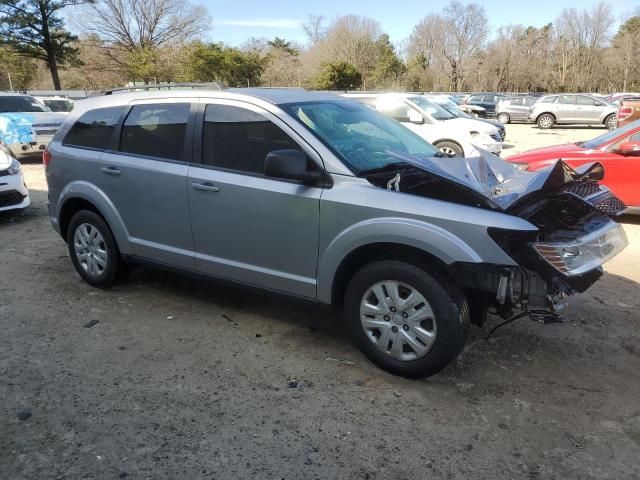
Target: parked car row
[453,134]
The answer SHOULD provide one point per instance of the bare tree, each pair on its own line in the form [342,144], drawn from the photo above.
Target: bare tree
[314,28]
[140,27]
[465,32]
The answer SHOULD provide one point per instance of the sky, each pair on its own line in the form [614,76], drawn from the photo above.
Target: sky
[233,23]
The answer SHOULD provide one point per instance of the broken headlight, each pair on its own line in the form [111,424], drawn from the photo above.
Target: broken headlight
[586,252]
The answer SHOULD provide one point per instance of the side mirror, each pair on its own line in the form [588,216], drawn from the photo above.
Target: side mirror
[291,165]
[629,149]
[416,117]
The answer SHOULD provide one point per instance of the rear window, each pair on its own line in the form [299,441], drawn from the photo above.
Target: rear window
[20,103]
[156,130]
[94,129]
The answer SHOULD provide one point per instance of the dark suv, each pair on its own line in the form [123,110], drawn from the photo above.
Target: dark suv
[488,101]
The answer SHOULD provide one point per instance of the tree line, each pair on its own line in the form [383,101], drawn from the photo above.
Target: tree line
[152,41]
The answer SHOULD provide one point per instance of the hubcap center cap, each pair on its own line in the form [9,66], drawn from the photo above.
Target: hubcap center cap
[397,319]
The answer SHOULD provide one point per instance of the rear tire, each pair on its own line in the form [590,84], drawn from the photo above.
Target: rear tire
[504,118]
[450,148]
[546,121]
[93,250]
[429,334]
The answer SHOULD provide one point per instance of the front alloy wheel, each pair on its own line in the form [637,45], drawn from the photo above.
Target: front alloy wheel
[405,318]
[398,320]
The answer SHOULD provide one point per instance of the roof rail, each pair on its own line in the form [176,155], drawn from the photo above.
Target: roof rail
[161,86]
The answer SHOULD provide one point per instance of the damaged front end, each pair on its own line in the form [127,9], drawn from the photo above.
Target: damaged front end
[574,215]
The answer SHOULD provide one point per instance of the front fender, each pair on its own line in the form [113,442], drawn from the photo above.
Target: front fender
[90,193]
[401,231]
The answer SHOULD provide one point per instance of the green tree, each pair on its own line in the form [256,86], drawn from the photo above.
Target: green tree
[339,76]
[283,45]
[231,66]
[389,68]
[34,29]
[17,68]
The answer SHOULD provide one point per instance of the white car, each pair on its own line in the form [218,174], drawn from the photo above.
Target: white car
[453,136]
[13,191]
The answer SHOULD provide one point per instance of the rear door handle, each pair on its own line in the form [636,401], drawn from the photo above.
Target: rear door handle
[205,187]
[110,170]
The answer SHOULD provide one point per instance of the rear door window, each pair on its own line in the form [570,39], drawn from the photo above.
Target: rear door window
[94,129]
[156,130]
[566,99]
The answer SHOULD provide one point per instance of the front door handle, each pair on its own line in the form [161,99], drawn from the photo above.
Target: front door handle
[205,187]
[110,170]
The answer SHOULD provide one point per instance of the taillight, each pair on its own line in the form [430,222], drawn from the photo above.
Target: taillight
[46,157]
[624,112]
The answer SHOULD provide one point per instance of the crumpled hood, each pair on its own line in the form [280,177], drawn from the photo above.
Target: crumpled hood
[501,184]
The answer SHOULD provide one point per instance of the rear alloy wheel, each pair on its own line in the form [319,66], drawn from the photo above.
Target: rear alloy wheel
[546,121]
[93,249]
[450,148]
[504,118]
[405,320]
[610,122]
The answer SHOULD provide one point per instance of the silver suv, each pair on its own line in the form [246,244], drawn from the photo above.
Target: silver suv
[322,198]
[581,109]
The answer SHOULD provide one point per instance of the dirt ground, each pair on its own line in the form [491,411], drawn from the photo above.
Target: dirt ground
[185,379]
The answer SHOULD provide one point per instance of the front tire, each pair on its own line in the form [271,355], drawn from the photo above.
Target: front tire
[546,121]
[504,118]
[450,148]
[93,250]
[406,320]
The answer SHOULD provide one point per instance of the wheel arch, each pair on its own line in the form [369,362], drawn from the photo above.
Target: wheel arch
[83,196]
[387,238]
[372,252]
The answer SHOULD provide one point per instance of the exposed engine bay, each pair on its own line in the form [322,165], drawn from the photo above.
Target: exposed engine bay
[574,215]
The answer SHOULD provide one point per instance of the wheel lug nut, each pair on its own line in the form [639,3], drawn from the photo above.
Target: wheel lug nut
[405,315]
[387,318]
[405,327]
[393,309]
[394,329]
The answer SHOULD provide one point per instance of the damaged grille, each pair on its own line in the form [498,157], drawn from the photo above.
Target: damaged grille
[609,205]
[12,197]
[601,198]
[584,189]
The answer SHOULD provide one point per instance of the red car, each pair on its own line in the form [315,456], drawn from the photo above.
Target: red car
[618,150]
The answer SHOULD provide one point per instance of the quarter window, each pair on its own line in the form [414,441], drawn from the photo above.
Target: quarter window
[156,130]
[94,128]
[238,139]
